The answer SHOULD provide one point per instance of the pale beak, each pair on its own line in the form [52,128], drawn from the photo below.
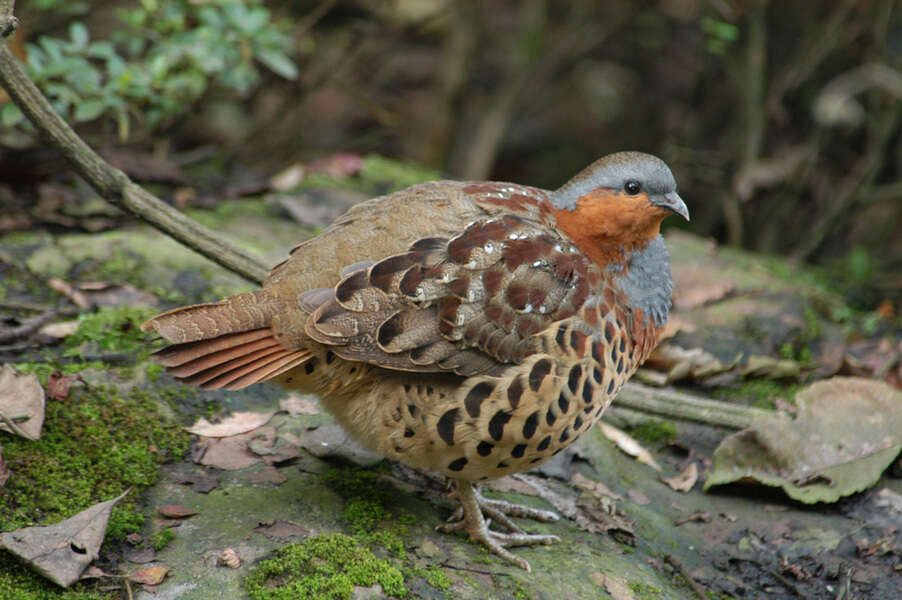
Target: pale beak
[672,201]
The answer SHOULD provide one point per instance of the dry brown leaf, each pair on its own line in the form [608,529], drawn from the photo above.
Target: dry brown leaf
[638,497]
[282,529]
[175,511]
[232,453]
[150,576]
[685,480]
[597,488]
[297,404]
[699,295]
[60,330]
[4,472]
[65,288]
[60,552]
[58,385]
[229,558]
[21,403]
[509,484]
[772,368]
[235,424]
[628,445]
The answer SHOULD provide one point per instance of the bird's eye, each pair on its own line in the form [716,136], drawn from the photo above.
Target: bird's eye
[632,187]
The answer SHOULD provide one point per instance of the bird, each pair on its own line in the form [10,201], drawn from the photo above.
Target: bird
[475,329]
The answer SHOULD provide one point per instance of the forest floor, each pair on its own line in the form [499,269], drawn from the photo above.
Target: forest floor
[283,488]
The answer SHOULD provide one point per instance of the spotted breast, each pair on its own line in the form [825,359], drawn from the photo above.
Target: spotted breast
[476,329]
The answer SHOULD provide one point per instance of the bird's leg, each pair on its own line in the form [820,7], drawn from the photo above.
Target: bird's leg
[469,517]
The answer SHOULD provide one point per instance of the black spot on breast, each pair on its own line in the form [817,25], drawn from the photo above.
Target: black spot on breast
[573,380]
[412,409]
[484,448]
[518,450]
[587,394]
[352,371]
[446,423]
[620,366]
[614,354]
[310,366]
[543,445]
[530,425]
[550,417]
[502,465]
[538,372]
[430,390]
[578,422]
[559,338]
[609,332]
[622,345]
[407,387]
[514,391]
[476,396]
[611,387]
[408,432]
[330,357]
[598,352]
[556,452]
[565,435]
[497,423]
[597,375]
[535,460]
[563,403]
[458,464]
[289,379]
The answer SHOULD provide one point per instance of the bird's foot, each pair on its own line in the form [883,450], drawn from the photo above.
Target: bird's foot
[476,514]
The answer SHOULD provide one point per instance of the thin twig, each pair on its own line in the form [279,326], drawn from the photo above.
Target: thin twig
[111,183]
[697,589]
[686,407]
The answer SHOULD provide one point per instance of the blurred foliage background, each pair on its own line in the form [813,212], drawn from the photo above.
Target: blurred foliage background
[781,120]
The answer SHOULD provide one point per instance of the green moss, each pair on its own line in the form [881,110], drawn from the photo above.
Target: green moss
[320,568]
[230,211]
[653,431]
[644,591]
[153,371]
[160,539]
[363,514]
[93,447]
[761,393]
[437,578]
[113,329]
[20,583]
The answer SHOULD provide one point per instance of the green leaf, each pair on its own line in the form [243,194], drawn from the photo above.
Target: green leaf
[278,62]
[10,115]
[89,110]
[847,431]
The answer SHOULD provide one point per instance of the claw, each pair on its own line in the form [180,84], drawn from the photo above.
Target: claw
[471,517]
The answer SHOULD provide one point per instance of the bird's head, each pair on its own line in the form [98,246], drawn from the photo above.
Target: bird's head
[616,204]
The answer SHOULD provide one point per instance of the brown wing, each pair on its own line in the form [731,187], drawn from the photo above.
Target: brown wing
[465,305]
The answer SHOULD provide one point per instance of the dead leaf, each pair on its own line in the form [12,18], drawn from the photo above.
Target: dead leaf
[175,511]
[229,558]
[66,289]
[58,385]
[282,529]
[21,403]
[597,488]
[267,474]
[848,430]
[150,576]
[235,424]
[60,330]
[685,480]
[628,445]
[296,404]
[232,453]
[60,552]
[681,363]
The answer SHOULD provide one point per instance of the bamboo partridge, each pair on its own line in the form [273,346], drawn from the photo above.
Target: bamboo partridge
[476,329]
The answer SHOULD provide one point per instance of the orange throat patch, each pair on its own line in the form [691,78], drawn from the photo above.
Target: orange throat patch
[606,225]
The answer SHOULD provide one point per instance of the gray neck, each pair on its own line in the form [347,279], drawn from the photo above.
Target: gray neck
[647,282]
